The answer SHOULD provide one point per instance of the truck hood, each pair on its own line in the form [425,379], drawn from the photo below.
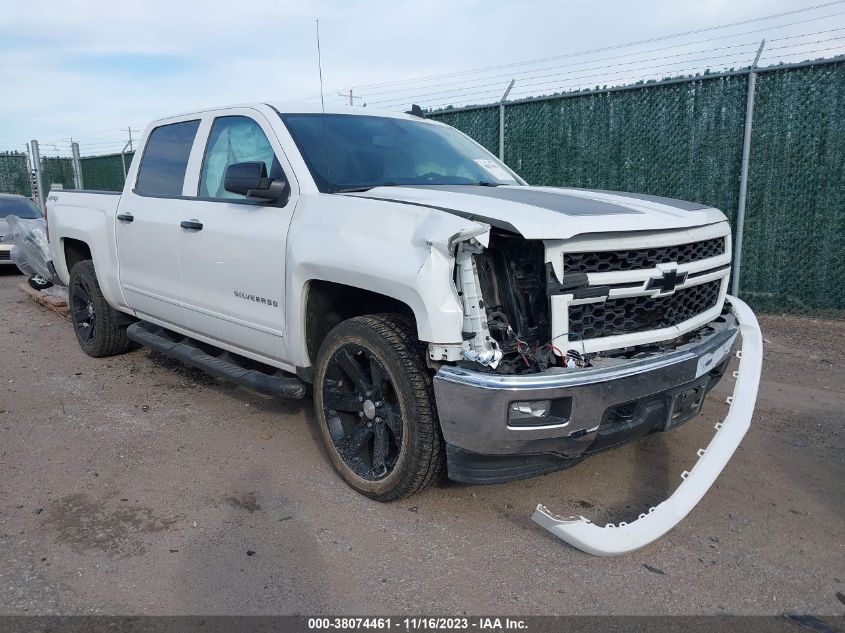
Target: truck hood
[552,212]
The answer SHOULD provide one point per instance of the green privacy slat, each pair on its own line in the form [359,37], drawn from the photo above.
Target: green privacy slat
[481,125]
[57,171]
[795,216]
[98,172]
[14,174]
[104,172]
[684,140]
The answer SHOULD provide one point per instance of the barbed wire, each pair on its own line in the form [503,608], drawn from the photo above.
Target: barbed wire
[632,71]
[478,73]
[650,52]
[609,82]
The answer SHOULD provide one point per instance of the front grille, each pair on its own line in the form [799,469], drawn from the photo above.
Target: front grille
[5,254]
[637,314]
[638,259]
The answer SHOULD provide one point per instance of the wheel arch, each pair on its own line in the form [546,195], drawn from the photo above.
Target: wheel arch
[75,251]
[326,304]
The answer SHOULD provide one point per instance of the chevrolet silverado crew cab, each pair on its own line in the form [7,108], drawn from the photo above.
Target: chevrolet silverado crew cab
[449,318]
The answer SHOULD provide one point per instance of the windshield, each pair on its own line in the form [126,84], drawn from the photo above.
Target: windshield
[349,151]
[20,207]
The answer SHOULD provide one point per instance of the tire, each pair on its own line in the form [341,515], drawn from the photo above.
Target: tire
[95,323]
[383,436]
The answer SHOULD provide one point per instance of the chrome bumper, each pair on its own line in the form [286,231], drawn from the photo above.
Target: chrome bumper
[474,406]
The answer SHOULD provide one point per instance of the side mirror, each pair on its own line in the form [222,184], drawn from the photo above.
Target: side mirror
[250,180]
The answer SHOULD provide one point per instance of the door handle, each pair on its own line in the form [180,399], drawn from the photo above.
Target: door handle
[191,225]
[125,217]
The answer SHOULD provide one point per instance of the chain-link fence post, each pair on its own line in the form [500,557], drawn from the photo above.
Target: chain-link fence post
[123,154]
[77,166]
[502,121]
[743,177]
[37,182]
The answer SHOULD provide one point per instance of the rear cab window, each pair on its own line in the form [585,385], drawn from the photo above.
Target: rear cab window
[165,159]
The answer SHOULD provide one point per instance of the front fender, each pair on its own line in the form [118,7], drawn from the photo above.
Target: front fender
[399,251]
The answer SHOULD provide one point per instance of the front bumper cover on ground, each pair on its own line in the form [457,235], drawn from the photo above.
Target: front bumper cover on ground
[622,538]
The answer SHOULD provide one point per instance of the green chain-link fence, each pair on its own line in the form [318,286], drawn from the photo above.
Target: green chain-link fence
[794,246]
[57,171]
[14,174]
[680,139]
[105,173]
[684,139]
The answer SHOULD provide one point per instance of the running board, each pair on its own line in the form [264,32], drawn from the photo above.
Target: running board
[216,362]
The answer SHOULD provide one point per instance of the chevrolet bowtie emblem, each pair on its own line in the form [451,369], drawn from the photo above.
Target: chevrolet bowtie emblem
[667,282]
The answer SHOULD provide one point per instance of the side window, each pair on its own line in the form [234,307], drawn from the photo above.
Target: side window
[234,139]
[165,158]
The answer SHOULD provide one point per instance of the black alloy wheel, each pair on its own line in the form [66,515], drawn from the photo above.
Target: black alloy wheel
[362,412]
[374,407]
[82,306]
[99,328]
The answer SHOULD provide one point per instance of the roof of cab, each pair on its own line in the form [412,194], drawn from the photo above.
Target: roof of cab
[305,107]
[299,107]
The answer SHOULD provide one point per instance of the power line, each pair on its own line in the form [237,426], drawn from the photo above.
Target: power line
[620,79]
[623,64]
[507,77]
[608,48]
[400,88]
[109,144]
[462,93]
[609,82]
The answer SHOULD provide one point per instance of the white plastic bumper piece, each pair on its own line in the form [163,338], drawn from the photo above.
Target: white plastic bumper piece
[612,540]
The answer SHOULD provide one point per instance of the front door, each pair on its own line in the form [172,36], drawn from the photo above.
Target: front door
[147,226]
[233,259]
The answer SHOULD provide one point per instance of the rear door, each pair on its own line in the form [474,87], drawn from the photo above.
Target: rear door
[147,226]
[233,262]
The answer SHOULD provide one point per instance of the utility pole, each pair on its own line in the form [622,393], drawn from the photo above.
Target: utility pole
[129,143]
[349,96]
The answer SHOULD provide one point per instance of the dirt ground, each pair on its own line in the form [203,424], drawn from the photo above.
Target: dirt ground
[134,485]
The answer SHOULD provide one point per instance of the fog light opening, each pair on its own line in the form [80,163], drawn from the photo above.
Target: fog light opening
[531,408]
[535,413]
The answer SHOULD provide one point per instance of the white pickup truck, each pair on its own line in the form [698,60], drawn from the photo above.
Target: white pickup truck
[449,318]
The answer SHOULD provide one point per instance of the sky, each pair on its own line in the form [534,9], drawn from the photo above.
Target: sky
[88,70]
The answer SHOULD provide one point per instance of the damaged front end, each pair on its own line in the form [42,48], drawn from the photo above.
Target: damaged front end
[507,326]
[532,305]
[558,363]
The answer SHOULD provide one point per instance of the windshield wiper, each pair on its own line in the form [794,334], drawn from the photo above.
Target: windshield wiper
[353,189]
[486,183]
[363,188]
